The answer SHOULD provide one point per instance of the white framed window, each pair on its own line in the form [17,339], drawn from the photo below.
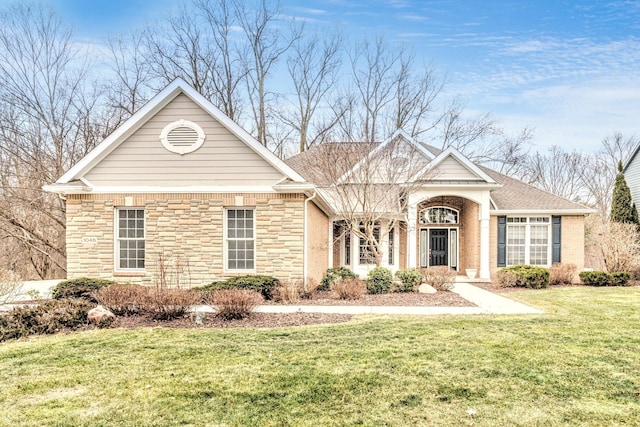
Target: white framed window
[439,215]
[240,241]
[130,239]
[347,247]
[391,246]
[528,240]
[365,248]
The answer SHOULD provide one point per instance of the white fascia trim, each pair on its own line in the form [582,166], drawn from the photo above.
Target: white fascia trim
[480,186]
[66,188]
[451,151]
[560,212]
[153,106]
[210,189]
[293,188]
[397,134]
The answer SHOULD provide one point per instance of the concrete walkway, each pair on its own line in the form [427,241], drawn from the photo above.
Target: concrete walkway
[487,303]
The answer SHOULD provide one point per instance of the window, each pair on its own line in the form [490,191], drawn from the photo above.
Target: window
[347,247]
[366,251]
[240,239]
[528,240]
[439,215]
[130,244]
[391,237]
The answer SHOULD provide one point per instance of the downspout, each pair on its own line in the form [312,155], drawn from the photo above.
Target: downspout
[304,241]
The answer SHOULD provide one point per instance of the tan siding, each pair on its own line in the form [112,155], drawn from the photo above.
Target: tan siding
[317,242]
[451,169]
[141,160]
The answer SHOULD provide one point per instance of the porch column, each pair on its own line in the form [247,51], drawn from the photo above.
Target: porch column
[412,242]
[384,243]
[485,250]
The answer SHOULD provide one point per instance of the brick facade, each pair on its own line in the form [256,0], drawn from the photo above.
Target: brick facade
[187,230]
[572,241]
[468,229]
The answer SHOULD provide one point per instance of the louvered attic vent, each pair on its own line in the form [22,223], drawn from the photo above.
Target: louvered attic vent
[182,137]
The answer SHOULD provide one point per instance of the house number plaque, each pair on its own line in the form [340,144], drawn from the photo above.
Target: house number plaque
[89,240]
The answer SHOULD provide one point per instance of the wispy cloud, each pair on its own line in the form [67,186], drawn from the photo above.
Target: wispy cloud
[412,17]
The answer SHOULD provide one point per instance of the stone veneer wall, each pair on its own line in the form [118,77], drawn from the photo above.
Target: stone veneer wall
[186,229]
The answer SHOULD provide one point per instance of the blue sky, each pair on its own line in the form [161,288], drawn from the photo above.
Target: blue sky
[568,69]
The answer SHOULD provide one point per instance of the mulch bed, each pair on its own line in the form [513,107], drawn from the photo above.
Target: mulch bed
[255,320]
[439,299]
[275,320]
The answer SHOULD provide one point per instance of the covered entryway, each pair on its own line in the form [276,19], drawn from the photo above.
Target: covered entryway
[439,247]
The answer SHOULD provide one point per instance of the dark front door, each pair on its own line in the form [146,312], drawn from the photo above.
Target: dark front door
[438,247]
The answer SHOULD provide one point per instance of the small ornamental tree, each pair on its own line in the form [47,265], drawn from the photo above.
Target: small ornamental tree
[622,208]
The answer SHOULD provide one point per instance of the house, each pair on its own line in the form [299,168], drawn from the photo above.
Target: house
[631,173]
[180,185]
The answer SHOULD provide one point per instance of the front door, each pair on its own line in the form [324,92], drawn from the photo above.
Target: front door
[438,247]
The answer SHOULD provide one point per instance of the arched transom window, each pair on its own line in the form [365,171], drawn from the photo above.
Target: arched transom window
[439,215]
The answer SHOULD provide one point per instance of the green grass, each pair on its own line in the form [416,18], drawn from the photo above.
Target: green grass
[579,364]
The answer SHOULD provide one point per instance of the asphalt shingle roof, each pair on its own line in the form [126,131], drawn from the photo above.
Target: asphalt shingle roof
[514,194]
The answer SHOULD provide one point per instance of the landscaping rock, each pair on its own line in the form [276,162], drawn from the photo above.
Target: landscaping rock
[426,289]
[101,316]
[198,318]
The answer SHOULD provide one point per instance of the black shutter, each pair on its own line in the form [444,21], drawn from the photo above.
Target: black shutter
[502,241]
[556,238]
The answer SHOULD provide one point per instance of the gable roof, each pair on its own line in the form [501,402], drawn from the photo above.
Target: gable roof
[398,134]
[509,195]
[178,86]
[451,152]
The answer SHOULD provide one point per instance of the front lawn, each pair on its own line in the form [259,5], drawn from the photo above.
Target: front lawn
[579,364]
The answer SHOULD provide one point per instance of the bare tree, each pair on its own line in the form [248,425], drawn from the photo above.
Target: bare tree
[181,49]
[44,129]
[368,184]
[228,71]
[313,66]
[266,43]
[374,73]
[558,172]
[131,71]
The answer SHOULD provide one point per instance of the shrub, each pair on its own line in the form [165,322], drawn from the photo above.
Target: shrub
[442,278]
[263,284]
[562,274]
[163,303]
[288,291]
[333,274]
[122,300]
[46,318]
[235,303]
[410,279]
[620,278]
[82,288]
[349,288]
[524,276]
[379,280]
[10,285]
[602,278]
